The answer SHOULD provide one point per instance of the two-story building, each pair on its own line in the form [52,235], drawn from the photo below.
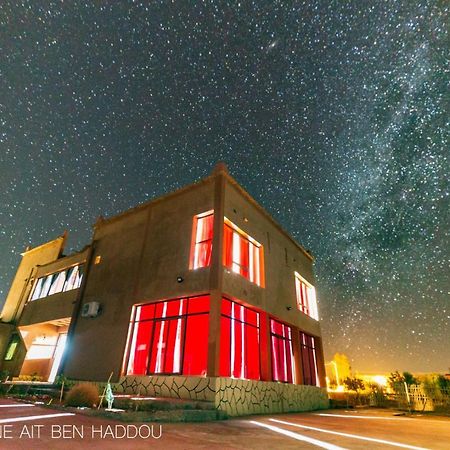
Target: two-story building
[197,294]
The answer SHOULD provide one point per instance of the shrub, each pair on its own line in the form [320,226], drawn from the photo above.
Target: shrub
[83,394]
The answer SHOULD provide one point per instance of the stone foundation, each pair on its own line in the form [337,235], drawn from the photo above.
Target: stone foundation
[235,397]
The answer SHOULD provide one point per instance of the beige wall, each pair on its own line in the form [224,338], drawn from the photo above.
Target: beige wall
[21,286]
[56,306]
[282,257]
[142,254]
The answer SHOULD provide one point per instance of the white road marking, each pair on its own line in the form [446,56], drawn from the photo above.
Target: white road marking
[298,437]
[16,406]
[352,436]
[363,417]
[29,418]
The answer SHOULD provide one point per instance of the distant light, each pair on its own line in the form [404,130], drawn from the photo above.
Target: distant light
[380,379]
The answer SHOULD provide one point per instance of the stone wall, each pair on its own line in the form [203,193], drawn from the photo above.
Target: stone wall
[235,397]
[188,388]
[240,397]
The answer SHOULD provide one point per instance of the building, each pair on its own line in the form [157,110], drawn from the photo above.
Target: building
[197,294]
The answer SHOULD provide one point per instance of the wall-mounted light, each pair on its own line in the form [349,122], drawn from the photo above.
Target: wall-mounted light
[288,308]
[180,279]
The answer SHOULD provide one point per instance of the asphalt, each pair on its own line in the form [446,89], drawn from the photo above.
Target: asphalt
[36,427]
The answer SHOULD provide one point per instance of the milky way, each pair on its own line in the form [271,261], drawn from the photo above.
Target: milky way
[331,114]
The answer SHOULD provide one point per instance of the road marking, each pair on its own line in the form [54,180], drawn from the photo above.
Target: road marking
[15,406]
[28,418]
[363,417]
[298,436]
[353,436]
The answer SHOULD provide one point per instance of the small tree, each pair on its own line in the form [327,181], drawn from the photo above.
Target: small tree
[395,382]
[409,378]
[354,384]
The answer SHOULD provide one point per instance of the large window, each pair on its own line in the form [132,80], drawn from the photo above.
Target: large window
[306,297]
[242,254]
[283,368]
[62,281]
[309,360]
[170,337]
[202,240]
[239,341]
[42,347]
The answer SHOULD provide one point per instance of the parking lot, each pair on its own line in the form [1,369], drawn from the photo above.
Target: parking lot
[24,426]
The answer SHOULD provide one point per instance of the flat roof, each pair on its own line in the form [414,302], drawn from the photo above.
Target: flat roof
[219,170]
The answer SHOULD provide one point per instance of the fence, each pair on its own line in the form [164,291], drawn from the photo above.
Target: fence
[422,397]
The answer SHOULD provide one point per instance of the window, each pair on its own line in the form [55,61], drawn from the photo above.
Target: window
[202,240]
[283,367]
[12,347]
[239,341]
[170,337]
[42,347]
[62,281]
[309,360]
[242,254]
[306,297]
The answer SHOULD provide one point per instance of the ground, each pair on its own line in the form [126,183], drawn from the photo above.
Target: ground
[25,427]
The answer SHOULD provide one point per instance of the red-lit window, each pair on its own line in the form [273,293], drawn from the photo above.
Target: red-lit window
[306,297]
[170,337]
[283,368]
[242,254]
[202,240]
[239,341]
[309,359]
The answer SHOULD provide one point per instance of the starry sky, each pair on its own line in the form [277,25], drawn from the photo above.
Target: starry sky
[332,114]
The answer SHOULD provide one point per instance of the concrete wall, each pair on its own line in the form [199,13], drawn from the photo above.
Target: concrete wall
[142,253]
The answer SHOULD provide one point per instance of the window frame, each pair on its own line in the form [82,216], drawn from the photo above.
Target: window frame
[14,339]
[50,281]
[235,321]
[254,248]
[306,305]
[286,340]
[306,350]
[184,317]
[194,243]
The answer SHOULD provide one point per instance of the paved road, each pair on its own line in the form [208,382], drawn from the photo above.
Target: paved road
[35,427]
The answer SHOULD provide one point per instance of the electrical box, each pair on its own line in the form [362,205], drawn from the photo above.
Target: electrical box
[91,309]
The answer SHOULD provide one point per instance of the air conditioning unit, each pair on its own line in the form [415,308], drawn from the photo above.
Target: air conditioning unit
[91,309]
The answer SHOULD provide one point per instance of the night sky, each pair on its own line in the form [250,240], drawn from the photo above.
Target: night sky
[332,114]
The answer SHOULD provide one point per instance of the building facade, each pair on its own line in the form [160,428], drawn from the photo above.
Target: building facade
[197,294]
